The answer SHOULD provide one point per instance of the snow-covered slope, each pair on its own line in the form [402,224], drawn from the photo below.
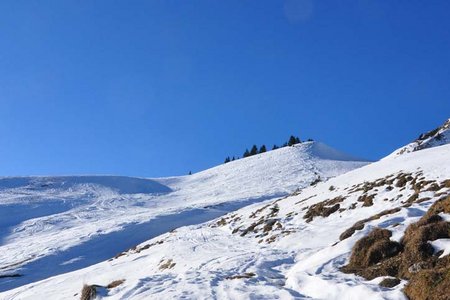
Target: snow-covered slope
[52,225]
[436,137]
[289,248]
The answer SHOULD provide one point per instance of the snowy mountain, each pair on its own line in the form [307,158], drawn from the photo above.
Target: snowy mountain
[436,137]
[304,222]
[295,247]
[53,225]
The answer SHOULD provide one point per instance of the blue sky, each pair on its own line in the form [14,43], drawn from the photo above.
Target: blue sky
[157,88]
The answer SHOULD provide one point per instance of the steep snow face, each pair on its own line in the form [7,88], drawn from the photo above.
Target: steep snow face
[288,248]
[51,225]
[437,137]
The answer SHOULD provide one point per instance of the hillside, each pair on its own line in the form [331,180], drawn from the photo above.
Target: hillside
[53,225]
[436,137]
[310,244]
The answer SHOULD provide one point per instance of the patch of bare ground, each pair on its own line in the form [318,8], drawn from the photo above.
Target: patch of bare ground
[360,224]
[115,283]
[136,249]
[88,292]
[367,186]
[258,211]
[241,276]
[323,209]
[166,264]
[305,199]
[412,259]
[367,200]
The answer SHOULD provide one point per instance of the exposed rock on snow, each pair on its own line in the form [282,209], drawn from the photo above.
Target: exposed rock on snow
[436,137]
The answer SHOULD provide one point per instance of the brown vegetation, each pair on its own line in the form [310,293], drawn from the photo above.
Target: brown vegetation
[323,209]
[88,292]
[373,248]
[360,224]
[115,283]
[168,264]
[412,259]
[367,200]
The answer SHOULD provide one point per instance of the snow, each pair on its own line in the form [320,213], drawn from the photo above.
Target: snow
[441,245]
[54,225]
[302,261]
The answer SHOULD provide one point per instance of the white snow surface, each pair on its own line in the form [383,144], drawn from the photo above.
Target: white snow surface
[53,225]
[293,259]
[441,245]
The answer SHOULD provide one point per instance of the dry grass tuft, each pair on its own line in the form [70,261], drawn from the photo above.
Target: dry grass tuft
[88,292]
[115,283]
[413,259]
[168,264]
[373,248]
[323,209]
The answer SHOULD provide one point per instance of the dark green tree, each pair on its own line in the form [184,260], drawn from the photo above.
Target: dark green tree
[275,147]
[254,150]
[292,141]
[262,149]
[227,160]
[297,140]
[246,153]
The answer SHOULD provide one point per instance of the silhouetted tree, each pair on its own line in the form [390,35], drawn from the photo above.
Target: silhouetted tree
[190,172]
[246,153]
[227,160]
[292,141]
[254,150]
[275,147]
[297,140]
[262,149]
[233,159]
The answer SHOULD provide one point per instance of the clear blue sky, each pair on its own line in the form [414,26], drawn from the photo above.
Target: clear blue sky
[157,88]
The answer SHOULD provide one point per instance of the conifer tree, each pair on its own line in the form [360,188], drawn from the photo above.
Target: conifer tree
[262,149]
[292,141]
[246,153]
[227,160]
[297,140]
[254,150]
[275,147]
